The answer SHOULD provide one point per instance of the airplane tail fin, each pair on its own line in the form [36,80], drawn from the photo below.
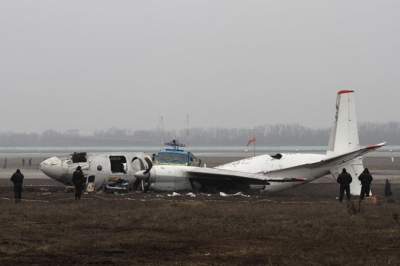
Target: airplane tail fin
[344,132]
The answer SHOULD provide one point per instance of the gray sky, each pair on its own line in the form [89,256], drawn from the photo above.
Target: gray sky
[91,65]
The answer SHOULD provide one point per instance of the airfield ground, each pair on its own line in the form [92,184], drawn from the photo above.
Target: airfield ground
[302,226]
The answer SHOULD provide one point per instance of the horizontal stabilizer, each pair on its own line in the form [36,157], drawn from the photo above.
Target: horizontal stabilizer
[354,154]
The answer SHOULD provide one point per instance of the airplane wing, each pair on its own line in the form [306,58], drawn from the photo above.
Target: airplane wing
[337,159]
[219,175]
[216,175]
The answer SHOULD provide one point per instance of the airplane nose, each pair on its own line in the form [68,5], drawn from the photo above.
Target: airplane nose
[52,167]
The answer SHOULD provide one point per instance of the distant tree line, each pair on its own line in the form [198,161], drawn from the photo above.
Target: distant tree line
[267,135]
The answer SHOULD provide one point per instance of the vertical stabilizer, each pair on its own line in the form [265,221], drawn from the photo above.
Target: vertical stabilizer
[344,138]
[344,133]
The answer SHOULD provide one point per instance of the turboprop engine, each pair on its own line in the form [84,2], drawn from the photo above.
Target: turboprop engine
[163,178]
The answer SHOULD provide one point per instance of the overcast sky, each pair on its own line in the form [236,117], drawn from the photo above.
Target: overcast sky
[92,65]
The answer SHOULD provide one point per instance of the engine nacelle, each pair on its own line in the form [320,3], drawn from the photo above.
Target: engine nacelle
[169,178]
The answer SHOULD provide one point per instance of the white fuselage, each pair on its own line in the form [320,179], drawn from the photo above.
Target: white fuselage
[172,178]
[103,166]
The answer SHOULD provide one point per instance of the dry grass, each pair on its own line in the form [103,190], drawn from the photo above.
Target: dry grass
[303,226]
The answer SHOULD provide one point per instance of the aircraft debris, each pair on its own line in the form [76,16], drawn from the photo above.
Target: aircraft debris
[69,189]
[43,194]
[174,194]
[239,194]
[90,188]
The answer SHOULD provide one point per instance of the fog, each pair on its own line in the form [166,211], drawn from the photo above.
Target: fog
[93,65]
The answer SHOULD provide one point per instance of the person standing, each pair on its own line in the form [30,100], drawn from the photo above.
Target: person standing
[23,161]
[5,163]
[79,181]
[366,179]
[17,178]
[388,189]
[30,161]
[344,179]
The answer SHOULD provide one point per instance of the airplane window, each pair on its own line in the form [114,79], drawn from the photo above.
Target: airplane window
[91,178]
[172,157]
[117,164]
[99,168]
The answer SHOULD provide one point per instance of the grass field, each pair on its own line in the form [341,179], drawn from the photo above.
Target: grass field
[301,226]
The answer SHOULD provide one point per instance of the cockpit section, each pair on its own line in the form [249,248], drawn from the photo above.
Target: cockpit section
[79,157]
[176,158]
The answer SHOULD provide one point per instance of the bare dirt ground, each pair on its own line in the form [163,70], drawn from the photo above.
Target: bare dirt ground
[301,226]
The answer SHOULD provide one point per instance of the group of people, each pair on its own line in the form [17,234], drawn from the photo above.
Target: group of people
[345,179]
[78,180]
[23,162]
[29,161]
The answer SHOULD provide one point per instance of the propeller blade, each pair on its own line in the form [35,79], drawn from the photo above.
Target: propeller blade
[149,163]
[143,174]
[140,161]
[140,173]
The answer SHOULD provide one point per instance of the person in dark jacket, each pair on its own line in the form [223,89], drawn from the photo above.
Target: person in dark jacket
[344,179]
[388,189]
[79,181]
[366,179]
[17,178]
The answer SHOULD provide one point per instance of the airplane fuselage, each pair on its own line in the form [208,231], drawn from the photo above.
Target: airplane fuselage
[102,166]
[172,178]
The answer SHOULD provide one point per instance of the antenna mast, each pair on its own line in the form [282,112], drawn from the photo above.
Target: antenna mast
[187,130]
[162,131]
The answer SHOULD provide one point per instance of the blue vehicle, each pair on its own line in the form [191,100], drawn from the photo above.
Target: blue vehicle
[175,156]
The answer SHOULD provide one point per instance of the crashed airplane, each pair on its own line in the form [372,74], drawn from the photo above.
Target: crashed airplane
[270,173]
